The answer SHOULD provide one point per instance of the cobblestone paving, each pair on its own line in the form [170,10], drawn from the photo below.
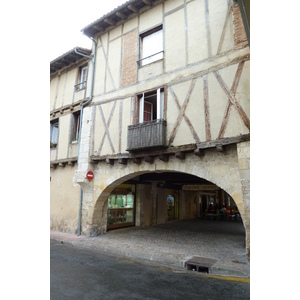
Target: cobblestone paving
[175,242]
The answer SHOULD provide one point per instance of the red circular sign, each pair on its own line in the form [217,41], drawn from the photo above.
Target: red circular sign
[89,175]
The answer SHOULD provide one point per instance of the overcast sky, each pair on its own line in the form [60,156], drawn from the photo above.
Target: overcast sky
[67,19]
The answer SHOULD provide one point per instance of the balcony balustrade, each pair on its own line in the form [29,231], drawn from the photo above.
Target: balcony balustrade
[147,135]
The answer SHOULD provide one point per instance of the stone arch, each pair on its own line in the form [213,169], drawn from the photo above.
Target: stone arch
[218,168]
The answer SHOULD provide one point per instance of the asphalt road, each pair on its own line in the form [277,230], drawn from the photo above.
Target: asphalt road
[82,274]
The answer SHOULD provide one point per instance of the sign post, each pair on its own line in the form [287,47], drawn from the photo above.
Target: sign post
[89,175]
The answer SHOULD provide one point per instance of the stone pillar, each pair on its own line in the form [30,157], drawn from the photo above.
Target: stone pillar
[154,202]
[243,151]
[144,205]
[83,167]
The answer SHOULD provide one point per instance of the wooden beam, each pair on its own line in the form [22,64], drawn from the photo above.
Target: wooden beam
[137,160]
[229,93]
[110,161]
[109,21]
[62,165]
[122,161]
[180,155]
[71,163]
[173,150]
[199,152]
[220,148]
[224,141]
[148,2]
[164,157]
[149,159]
[132,8]
[120,15]
[97,27]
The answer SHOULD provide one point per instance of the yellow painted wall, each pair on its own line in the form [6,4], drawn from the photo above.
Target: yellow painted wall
[64,200]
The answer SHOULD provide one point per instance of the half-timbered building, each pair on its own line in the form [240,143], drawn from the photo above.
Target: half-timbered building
[153,123]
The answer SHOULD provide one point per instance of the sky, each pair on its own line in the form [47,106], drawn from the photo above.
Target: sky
[67,18]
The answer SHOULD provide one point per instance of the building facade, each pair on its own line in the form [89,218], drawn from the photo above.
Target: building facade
[158,112]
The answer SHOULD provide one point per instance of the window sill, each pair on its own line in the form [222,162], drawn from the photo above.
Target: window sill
[78,90]
[150,63]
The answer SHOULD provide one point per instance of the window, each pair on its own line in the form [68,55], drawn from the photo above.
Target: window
[120,208]
[151,46]
[151,106]
[53,133]
[82,78]
[75,127]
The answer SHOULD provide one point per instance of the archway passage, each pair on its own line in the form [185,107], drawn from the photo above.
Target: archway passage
[159,197]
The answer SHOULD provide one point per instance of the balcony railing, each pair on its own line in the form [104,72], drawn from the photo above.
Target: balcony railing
[80,86]
[151,58]
[147,135]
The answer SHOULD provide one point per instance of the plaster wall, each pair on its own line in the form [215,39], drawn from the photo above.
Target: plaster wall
[131,24]
[151,18]
[64,136]
[173,4]
[64,200]
[196,31]
[54,85]
[175,39]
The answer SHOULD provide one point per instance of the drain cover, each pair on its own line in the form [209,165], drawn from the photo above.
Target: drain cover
[199,264]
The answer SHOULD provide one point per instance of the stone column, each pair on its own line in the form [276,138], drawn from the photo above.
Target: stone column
[83,167]
[243,151]
[154,202]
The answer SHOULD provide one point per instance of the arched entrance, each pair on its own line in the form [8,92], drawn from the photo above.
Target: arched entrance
[153,180]
[159,197]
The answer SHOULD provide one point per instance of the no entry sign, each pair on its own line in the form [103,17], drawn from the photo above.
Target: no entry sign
[89,175]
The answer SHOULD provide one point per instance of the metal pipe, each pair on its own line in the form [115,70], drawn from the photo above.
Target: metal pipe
[81,115]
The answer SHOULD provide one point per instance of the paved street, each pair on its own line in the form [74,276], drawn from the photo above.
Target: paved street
[173,243]
[87,274]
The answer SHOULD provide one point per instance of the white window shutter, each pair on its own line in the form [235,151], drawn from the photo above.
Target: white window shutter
[158,105]
[141,112]
[152,44]
[54,132]
[162,101]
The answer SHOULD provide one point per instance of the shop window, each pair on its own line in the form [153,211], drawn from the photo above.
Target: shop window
[172,205]
[75,127]
[151,106]
[54,133]
[120,212]
[82,78]
[151,46]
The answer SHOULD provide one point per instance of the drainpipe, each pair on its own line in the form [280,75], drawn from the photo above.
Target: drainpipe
[80,124]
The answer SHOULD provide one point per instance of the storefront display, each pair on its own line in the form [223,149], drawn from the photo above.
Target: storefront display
[172,205]
[121,203]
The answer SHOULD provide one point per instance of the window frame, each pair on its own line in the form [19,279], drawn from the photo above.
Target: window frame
[146,60]
[75,127]
[82,78]
[158,109]
[54,141]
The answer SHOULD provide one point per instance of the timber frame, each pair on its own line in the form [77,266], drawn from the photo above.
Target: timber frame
[163,154]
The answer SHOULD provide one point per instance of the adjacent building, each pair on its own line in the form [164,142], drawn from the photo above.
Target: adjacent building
[153,123]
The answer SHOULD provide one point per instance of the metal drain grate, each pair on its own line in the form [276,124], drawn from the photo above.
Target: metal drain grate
[199,264]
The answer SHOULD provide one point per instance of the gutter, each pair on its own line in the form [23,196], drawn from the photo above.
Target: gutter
[80,125]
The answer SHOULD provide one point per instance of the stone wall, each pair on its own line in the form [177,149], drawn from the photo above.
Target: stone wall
[243,150]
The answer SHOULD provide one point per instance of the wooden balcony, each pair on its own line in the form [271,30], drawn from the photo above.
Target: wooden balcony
[147,135]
